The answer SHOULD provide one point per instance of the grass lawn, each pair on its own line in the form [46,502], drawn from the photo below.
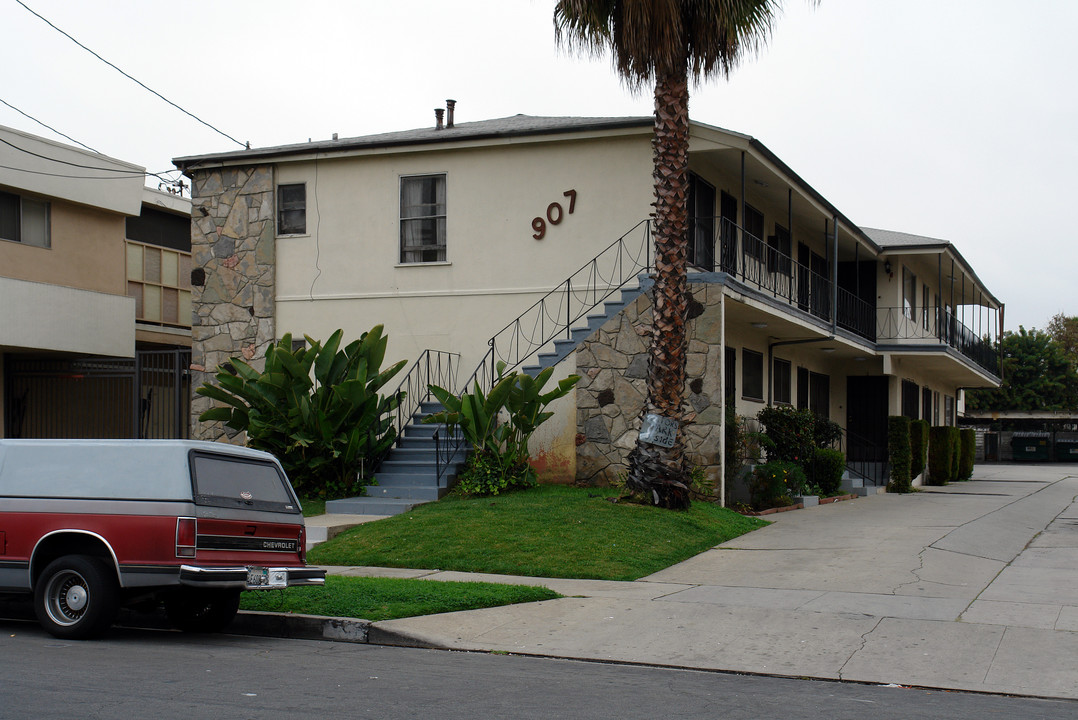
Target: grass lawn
[312,507]
[388,598]
[546,531]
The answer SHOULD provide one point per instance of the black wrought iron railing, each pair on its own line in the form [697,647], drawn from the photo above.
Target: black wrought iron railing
[764,267]
[553,316]
[865,458]
[433,367]
[936,325]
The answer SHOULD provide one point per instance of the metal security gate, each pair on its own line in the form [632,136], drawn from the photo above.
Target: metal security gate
[147,396]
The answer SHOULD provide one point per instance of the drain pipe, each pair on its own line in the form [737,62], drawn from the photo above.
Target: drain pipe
[771,359]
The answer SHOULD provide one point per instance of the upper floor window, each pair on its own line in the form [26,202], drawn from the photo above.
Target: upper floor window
[753,243]
[422,219]
[292,209]
[24,220]
[160,281]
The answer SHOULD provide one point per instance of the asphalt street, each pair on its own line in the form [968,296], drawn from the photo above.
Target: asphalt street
[146,673]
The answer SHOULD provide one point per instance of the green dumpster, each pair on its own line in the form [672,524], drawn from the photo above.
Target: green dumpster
[1029,445]
[1066,450]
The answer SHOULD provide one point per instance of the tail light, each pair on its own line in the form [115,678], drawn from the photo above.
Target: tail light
[185,537]
[302,544]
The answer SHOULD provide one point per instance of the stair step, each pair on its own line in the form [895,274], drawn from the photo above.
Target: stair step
[370,506]
[406,492]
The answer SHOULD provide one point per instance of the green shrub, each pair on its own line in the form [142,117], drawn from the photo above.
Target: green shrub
[940,455]
[775,483]
[828,466]
[788,434]
[956,453]
[736,438]
[484,474]
[968,452]
[324,429]
[499,448]
[918,447]
[898,453]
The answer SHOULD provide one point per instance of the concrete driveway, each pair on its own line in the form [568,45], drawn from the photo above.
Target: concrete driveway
[972,586]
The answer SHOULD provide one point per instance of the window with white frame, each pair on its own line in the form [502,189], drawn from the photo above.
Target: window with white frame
[24,220]
[422,218]
[292,209]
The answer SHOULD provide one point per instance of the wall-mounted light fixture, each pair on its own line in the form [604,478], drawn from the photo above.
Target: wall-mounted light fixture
[887,266]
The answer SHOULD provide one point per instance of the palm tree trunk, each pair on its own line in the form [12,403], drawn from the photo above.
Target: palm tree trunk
[655,470]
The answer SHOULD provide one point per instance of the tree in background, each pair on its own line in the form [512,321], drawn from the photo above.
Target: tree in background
[664,43]
[1038,373]
[1064,330]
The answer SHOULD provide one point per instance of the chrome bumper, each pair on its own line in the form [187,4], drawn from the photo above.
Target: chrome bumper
[236,577]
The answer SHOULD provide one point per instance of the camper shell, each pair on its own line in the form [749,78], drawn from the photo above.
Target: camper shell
[89,525]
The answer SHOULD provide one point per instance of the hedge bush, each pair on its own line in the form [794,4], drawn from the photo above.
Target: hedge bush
[774,484]
[918,447]
[968,443]
[828,466]
[898,452]
[789,434]
[956,453]
[940,455]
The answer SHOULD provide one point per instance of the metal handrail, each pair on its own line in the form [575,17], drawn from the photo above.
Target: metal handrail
[936,324]
[873,466]
[552,316]
[432,367]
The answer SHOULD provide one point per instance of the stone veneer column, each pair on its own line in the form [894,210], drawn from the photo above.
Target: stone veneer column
[232,278]
[613,368]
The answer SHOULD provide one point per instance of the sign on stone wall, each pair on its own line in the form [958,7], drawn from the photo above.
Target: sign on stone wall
[658,430]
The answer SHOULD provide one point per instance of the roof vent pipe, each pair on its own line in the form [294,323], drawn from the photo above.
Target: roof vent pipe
[450,106]
[438,113]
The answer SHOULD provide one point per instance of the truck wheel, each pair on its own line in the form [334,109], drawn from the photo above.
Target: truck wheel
[76,597]
[202,611]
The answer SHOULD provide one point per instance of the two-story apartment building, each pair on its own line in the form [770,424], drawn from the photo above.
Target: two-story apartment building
[491,239]
[94,295]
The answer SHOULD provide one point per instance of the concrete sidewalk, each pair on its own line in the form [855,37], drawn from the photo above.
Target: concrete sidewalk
[972,586]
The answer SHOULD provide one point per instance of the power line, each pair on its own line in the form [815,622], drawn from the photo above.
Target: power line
[119,173]
[49,127]
[143,85]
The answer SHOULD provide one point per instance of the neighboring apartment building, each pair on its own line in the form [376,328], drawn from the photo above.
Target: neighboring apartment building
[94,296]
[450,234]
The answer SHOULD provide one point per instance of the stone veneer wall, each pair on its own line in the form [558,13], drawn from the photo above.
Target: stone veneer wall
[233,287]
[613,366]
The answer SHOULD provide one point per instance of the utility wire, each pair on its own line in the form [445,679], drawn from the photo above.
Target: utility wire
[119,173]
[49,127]
[69,37]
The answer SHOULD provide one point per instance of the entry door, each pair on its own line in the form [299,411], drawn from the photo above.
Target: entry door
[701,223]
[866,418]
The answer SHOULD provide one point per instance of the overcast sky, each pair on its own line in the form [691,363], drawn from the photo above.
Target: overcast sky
[956,119]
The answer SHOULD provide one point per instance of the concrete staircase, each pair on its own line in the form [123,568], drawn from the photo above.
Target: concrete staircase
[563,347]
[408,475]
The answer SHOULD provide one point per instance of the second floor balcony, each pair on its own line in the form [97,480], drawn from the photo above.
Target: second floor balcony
[806,285]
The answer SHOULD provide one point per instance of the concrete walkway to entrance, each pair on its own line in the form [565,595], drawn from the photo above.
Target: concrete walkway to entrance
[972,586]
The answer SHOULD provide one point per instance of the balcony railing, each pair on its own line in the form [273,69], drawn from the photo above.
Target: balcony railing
[764,267]
[932,325]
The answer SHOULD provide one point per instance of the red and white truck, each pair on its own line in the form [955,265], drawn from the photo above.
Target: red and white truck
[87,526]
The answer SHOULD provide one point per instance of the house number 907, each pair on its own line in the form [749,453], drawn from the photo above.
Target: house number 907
[554,215]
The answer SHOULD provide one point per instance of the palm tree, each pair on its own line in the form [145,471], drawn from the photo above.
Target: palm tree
[666,42]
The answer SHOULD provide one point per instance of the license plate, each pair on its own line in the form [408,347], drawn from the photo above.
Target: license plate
[261,577]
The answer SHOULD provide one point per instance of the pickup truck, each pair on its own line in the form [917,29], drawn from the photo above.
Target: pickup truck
[87,526]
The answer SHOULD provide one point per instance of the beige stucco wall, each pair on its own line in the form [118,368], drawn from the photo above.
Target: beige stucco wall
[345,272]
[87,251]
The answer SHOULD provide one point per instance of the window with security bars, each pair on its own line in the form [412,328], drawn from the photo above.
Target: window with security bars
[422,217]
[160,281]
